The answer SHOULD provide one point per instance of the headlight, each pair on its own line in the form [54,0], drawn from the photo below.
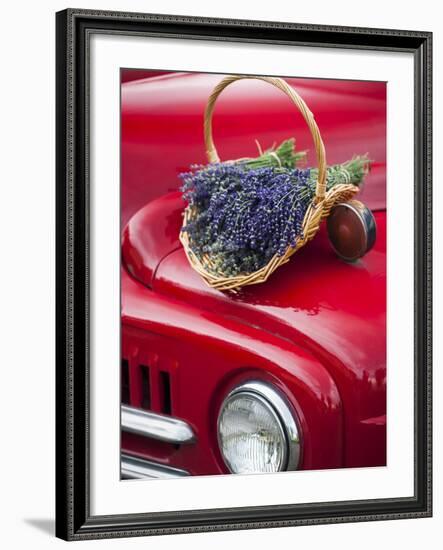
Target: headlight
[257,431]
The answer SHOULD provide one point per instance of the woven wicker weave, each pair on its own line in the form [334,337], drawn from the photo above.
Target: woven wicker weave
[319,208]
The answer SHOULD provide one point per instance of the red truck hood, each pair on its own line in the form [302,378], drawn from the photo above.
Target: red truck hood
[336,309]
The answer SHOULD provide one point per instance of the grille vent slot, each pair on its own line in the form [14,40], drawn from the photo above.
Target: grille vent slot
[124,382]
[146,381]
[165,392]
[145,387]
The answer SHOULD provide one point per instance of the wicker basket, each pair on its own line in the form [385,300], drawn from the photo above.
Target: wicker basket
[319,208]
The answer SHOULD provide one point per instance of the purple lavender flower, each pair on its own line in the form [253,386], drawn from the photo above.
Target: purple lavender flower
[245,216]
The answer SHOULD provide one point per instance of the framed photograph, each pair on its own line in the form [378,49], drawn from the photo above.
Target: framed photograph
[243,274]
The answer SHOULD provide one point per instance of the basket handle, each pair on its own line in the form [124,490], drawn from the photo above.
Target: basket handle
[211,151]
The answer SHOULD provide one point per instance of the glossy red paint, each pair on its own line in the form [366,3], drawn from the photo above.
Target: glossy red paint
[128,75]
[162,128]
[206,354]
[151,234]
[316,329]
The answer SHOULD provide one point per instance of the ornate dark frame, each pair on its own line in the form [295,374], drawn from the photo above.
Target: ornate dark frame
[73,518]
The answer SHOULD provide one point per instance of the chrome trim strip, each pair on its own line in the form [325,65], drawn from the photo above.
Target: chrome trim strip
[280,405]
[156,426]
[133,467]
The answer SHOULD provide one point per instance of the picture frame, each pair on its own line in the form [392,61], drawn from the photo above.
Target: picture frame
[74,518]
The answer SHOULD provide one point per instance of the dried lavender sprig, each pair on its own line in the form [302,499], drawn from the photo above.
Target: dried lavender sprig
[284,156]
[352,171]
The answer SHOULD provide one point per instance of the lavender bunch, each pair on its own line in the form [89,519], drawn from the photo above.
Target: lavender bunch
[248,211]
[244,217]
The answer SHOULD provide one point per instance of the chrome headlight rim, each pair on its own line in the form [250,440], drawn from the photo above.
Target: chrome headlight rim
[276,403]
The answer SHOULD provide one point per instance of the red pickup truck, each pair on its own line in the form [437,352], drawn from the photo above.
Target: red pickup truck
[303,354]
